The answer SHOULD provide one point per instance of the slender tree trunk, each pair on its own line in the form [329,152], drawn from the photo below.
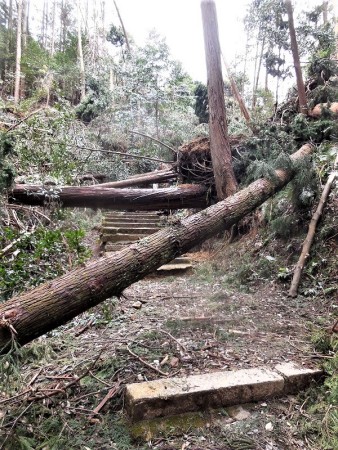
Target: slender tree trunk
[254,97]
[52,44]
[310,236]
[225,180]
[185,196]
[325,11]
[18,54]
[44,308]
[80,53]
[303,108]
[25,12]
[259,66]
[122,25]
[245,58]
[236,93]
[49,76]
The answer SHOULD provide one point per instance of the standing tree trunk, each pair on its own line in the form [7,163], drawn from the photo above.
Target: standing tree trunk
[44,308]
[18,54]
[225,180]
[258,73]
[80,53]
[236,93]
[49,75]
[325,11]
[122,25]
[303,108]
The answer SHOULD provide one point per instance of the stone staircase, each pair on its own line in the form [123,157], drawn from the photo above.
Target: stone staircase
[120,229]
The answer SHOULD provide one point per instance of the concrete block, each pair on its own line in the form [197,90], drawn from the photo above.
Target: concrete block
[297,378]
[173,396]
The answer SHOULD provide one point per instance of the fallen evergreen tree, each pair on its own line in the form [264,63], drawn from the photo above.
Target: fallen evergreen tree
[184,196]
[52,304]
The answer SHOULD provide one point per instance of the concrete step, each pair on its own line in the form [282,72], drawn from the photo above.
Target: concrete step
[132,216]
[111,247]
[173,267]
[127,230]
[133,224]
[121,237]
[177,264]
[172,396]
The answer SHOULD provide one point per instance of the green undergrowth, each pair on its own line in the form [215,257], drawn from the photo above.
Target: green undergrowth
[320,424]
[36,256]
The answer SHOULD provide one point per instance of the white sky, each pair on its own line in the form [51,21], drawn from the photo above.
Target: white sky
[180,21]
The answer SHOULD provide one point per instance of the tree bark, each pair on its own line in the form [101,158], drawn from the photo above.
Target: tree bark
[225,180]
[184,196]
[44,308]
[303,108]
[310,236]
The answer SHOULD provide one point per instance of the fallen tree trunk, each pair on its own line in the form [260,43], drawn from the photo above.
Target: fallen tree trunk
[160,176]
[44,308]
[184,196]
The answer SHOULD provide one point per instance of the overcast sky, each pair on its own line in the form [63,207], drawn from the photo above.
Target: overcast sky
[180,21]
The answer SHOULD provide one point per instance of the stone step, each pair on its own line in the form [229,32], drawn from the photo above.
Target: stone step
[132,216]
[127,230]
[174,266]
[118,237]
[111,247]
[133,224]
[172,396]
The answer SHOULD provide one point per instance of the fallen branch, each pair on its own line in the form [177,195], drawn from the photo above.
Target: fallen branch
[153,139]
[310,235]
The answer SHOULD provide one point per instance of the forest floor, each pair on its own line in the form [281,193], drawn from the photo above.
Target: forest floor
[204,320]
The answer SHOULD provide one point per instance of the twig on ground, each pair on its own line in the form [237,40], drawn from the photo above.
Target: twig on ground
[84,328]
[111,393]
[33,379]
[174,339]
[13,425]
[147,364]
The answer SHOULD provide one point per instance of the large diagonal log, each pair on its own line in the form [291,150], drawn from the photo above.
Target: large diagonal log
[184,196]
[42,309]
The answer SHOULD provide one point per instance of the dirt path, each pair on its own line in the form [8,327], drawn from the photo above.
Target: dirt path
[178,325]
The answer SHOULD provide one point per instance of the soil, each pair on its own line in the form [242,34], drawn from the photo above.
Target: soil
[179,324]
